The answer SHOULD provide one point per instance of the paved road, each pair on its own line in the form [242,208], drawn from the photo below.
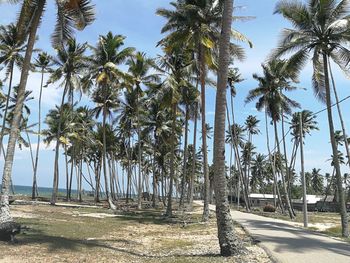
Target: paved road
[290,244]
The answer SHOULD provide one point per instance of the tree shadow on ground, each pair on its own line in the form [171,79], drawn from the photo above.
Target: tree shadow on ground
[59,243]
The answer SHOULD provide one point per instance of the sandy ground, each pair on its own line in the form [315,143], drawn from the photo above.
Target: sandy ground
[70,234]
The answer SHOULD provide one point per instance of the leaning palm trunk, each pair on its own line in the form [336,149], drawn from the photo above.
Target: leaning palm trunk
[169,209]
[5,215]
[205,217]
[227,239]
[343,212]
[289,207]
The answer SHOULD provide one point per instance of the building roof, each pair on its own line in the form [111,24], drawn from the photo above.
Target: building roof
[262,196]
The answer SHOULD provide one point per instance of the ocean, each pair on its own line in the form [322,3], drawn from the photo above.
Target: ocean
[43,191]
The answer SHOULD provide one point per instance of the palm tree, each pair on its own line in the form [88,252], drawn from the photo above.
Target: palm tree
[79,12]
[326,36]
[43,64]
[259,171]
[176,68]
[11,50]
[70,62]
[227,240]
[251,126]
[103,72]
[277,78]
[190,97]
[139,71]
[317,181]
[196,25]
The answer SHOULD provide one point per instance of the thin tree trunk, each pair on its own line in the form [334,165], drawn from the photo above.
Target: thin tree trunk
[227,238]
[346,144]
[5,215]
[184,170]
[57,150]
[203,73]
[343,212]
[38,138]
[305,218]
[271,161]
[104,155]
[139,157]
[291,215]
[169,210]
[193,172]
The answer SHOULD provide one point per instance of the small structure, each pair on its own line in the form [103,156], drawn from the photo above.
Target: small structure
[313,202]
[261,200]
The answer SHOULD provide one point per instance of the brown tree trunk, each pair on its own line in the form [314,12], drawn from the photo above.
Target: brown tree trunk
[203,73]
[169,209]
[227,239]
[184,170]
[5,215]
[289,207]
[342,204]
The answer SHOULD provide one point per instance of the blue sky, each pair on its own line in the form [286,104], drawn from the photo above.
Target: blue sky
[136,20]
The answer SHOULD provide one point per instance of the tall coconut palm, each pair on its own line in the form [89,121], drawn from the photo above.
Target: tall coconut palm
[196,24]
[319,29]
[70,62]
[277,78]
[176,68]
[227,240]
[43,64]
[139,71]
[105,75]
[190,97]
[71,14]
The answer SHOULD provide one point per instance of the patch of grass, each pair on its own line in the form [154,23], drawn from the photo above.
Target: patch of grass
[334,231]
[169,244]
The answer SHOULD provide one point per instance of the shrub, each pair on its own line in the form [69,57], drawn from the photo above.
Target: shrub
[269,208]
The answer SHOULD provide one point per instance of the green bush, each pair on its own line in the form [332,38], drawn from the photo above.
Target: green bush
[269,208]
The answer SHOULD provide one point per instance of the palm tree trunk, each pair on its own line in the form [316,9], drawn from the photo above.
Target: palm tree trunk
[5,215]
[271,161]
[57,149]
[139,157]
[193,172]
[286,180]
[346,143]
[289,208]
[343,212]
[305,218]
[154,183]
[104,156]
[203,73]
[184,171]
[227,238]
[38,139]
[169,209]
